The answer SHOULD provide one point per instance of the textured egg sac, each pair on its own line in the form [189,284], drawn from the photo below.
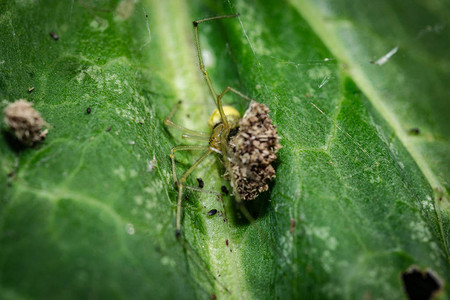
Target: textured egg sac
[25,122]
[253,150]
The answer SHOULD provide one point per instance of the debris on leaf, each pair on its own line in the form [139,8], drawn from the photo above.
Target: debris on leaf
[25,122]
[54,36]
[382,60]
[254,150]
[151,165]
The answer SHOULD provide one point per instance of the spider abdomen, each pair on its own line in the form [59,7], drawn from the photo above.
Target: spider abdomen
[254,150]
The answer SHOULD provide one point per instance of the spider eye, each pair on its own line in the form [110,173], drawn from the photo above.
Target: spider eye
[232,115]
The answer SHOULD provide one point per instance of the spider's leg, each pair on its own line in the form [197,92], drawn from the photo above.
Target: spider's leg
[230,89]
[181,187]
[201,190]
[182,148]
[194,137]
[202,65]
[191,133]
[183,178]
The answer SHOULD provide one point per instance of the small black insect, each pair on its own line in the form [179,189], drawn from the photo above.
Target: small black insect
[201,184]
[224,190]
[212,212]
[108,129]
[88,110]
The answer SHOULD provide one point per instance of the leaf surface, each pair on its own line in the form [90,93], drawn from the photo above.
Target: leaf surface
[358,198]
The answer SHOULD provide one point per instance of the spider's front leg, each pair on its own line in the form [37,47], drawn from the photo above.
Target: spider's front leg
[202,65]
[182,180]
[190,133]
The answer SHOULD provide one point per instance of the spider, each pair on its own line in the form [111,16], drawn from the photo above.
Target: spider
[247,154]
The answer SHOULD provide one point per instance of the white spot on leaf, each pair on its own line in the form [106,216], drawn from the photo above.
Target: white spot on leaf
[130,229]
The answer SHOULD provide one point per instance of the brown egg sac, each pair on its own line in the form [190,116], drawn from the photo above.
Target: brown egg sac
[253,150]
[25,122]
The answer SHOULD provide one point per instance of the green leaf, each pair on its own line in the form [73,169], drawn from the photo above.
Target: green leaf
[90,212]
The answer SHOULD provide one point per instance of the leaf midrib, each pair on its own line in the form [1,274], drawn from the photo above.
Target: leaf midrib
[197,96]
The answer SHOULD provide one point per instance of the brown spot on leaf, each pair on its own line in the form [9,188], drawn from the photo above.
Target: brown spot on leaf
[292,227]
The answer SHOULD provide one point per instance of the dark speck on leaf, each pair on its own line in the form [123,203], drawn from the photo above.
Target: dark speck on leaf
[224,190]
[88,110]
[414,131]
[108,129]
[201,184]
[212,212]
[54,36]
